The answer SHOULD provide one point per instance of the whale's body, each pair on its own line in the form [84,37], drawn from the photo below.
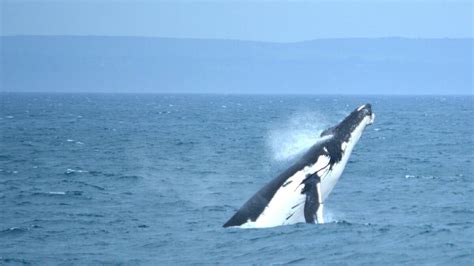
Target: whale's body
[298,194]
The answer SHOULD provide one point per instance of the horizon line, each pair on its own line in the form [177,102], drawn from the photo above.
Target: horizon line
[227,94]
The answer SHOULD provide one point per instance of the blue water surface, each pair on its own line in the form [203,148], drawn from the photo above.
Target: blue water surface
[146,179]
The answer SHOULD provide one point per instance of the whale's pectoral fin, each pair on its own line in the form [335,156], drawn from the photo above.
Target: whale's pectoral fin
[311,205]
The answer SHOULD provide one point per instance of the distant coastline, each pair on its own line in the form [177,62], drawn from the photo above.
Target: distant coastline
[107,64]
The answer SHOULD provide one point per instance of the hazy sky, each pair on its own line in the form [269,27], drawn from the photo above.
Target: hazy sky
[281,21]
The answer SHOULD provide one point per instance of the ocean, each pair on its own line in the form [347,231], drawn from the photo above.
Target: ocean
[151,179]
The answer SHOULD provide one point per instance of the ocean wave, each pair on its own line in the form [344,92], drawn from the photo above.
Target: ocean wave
[15,261]
[14,230]
[130,177]
[59,193]
[84,184]
[70,171]
[420,176]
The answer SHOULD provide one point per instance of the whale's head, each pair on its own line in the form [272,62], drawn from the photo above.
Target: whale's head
[350,129]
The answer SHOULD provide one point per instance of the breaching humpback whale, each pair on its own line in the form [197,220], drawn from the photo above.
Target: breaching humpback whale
[298,194]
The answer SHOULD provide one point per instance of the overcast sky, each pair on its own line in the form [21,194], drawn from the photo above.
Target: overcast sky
[277,21]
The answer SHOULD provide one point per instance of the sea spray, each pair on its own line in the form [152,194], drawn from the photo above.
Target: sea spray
[288,139]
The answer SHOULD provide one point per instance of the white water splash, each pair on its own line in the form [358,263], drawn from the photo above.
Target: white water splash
[290,138]
[331,216]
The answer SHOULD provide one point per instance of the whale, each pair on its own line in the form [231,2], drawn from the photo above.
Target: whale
[298,194]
